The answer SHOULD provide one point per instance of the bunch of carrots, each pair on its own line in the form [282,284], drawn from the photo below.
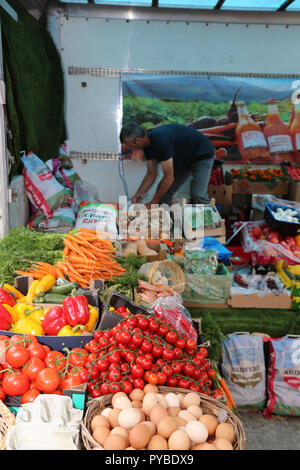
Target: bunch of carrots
[86,256]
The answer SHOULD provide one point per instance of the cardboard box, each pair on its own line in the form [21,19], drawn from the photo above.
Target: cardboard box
[221,193]
[208,289]
[247,187]
[269,301]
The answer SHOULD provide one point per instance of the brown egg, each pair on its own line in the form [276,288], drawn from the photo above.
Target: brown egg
[113,417]
[195,410]
[136,394]
[136,404]
[119,430]
[151,426]
[100,434]
[150,389]
[106,411]
[157,443]
[223,444]
[166,426]
[139,436]
[122,403]
[115,442]
[99,420]
[116,396]
[185,414]
[211,422]
[204,446]
[180,421]
[189,399]
[173,411]
[179,440]
[157,413]
[225,431]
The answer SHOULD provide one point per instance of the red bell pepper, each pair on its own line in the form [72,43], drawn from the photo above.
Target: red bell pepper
[5,319]
[76,310]
[6,297]
[54,320]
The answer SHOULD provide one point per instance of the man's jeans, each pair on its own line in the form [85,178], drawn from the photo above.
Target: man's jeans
[201,170]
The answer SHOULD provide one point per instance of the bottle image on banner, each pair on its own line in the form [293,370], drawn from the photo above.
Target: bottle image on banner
[250,139]
[295,132]
[278,135]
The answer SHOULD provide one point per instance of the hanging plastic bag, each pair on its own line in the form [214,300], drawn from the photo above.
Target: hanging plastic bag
[84,191]
[171,310]
[43,190]
[243,368]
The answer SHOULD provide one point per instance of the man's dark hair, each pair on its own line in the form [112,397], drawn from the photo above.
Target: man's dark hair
[131,131]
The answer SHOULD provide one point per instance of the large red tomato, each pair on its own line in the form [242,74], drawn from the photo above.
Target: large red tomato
[15,384]
[33,367]
[30,395]
[17,355]
[47,380]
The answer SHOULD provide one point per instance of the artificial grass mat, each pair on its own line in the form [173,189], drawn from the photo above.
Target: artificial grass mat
[216,323]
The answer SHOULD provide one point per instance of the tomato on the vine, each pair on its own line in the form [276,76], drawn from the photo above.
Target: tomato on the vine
[36,350]
[33,367]
[30,395]
[78,357]
[114,375]
[17,355]
[137,370]
[15,383]
[211,373]
[171,337]
[168,354]
[139,383]
[102,364]
[172,381]
[56,360]
[180,343]
[47,380]
[126,387]
[162,378]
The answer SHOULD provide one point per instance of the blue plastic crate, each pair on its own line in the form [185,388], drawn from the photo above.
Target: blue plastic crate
[280,226]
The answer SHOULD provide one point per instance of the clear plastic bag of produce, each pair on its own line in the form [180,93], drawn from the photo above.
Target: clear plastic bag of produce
[256,284]
[270,247]
[84,191]
[208,288]
[172,311]
[259,201]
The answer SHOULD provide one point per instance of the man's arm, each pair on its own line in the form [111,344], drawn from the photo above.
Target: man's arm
[147,181]
[166,182]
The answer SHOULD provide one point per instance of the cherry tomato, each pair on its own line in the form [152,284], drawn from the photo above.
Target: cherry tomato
[146,346]
[114,376]
[47,380]
[152,378]
[211,373]
[203,352]
[171,337]
[124,367]
[180,343]
[167,370]
[139,383]
[97,335]
[172,381]
[17,355]
[96,392]
[30,395]
[146,362]
[126,337]
[188,369]
[104,388]
[153,325]
[183,383]
[84,375]
[162,378]
[93,371]
[126,387]
[163,330]
[15,384]
[178,353]
[130,357]
[194,387]
[114,357]
[143,323]
[2,394]
[157,350]
[115,387]
[190,344]
[137,371]
[33,367]
[168,354]
[196,373]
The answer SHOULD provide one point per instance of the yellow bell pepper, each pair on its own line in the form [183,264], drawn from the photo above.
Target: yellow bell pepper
[93,318]
[22,309]
[37,315]
[12,312]
[68,330]
[28,327]
[13,290]
[22,300]
[31,291]
[45,284]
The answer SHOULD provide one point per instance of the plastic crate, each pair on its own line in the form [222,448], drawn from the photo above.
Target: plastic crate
[282,227]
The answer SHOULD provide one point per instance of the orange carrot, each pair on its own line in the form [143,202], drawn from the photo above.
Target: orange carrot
[227,392]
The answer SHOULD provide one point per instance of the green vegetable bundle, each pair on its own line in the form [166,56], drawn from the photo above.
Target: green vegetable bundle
[22,245]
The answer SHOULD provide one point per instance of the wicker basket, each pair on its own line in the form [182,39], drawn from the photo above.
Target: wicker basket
[208,405]
[7,420]
[169,269]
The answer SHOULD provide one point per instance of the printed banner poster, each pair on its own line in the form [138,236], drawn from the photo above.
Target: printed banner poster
[248,120]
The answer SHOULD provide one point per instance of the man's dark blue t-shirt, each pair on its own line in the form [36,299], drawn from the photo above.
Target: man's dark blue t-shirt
[182,143]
